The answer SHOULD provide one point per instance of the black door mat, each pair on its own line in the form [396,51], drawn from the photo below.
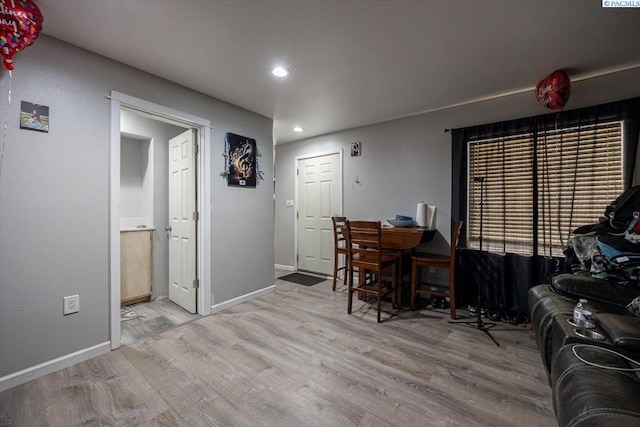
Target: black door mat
[302,279]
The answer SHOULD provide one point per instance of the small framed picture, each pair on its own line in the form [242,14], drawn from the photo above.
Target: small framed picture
[356,149]
[34,116]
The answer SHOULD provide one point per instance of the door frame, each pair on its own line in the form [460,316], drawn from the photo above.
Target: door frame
[203,194]
[296,197]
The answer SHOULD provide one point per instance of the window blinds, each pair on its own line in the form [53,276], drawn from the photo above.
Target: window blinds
[566,176]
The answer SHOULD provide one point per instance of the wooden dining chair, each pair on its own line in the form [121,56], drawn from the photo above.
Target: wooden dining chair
[364,239]
[438,261]
[340,248]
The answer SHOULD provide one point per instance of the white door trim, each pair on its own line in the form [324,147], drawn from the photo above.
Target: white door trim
[296,197]
[203,164]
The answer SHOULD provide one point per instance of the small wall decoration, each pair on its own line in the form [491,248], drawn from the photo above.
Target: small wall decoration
[34,116]
[242,166]
[356,149]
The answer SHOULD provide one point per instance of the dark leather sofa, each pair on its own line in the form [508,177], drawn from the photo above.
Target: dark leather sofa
[595,378]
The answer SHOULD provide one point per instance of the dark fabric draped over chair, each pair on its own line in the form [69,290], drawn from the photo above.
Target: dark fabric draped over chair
[508,277]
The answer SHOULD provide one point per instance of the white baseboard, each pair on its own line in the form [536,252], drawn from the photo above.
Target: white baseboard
[244,298]
[21,377]
[284,267]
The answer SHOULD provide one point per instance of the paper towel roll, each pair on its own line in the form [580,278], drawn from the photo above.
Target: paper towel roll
[431,217]
[421,215]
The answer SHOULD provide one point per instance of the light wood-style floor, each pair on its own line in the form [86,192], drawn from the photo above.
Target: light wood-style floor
[295,358]
[154,317]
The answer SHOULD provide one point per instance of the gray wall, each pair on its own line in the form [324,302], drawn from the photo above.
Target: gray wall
[54,200]
[408,160]
[134,175]
[160,133]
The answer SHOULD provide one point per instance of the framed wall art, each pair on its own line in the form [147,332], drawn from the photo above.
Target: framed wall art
[34,116]
[242,161]
[356,149]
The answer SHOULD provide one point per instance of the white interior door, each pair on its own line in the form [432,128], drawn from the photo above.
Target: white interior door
[319,198]
[182,220]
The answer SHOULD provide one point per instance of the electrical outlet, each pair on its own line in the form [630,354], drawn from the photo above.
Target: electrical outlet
[432,269]
[289,203]
[71,304]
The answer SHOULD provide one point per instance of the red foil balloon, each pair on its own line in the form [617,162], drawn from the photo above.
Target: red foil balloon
[553,92]
[20,25]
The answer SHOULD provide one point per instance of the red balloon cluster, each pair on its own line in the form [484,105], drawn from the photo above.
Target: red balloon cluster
[20,24]
[553,92]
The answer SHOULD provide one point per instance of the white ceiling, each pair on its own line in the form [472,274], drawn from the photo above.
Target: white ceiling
[352,63]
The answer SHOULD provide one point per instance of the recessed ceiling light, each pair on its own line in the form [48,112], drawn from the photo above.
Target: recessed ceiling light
[297,129]
[280,72]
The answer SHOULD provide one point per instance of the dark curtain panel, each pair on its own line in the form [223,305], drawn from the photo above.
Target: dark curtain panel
[481,268]
[459,176]
[505,279]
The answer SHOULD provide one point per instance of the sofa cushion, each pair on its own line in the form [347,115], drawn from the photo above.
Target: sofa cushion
[592,388]
[545,304]
[634,307]
[611,296]
[623,330]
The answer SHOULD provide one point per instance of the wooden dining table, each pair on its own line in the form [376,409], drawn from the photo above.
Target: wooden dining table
[404,238]
[401,239]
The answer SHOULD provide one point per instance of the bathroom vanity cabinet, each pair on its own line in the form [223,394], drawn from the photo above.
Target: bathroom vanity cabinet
[135,266]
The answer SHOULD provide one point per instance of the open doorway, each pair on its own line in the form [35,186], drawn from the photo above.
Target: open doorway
[146,213]
[157,181]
